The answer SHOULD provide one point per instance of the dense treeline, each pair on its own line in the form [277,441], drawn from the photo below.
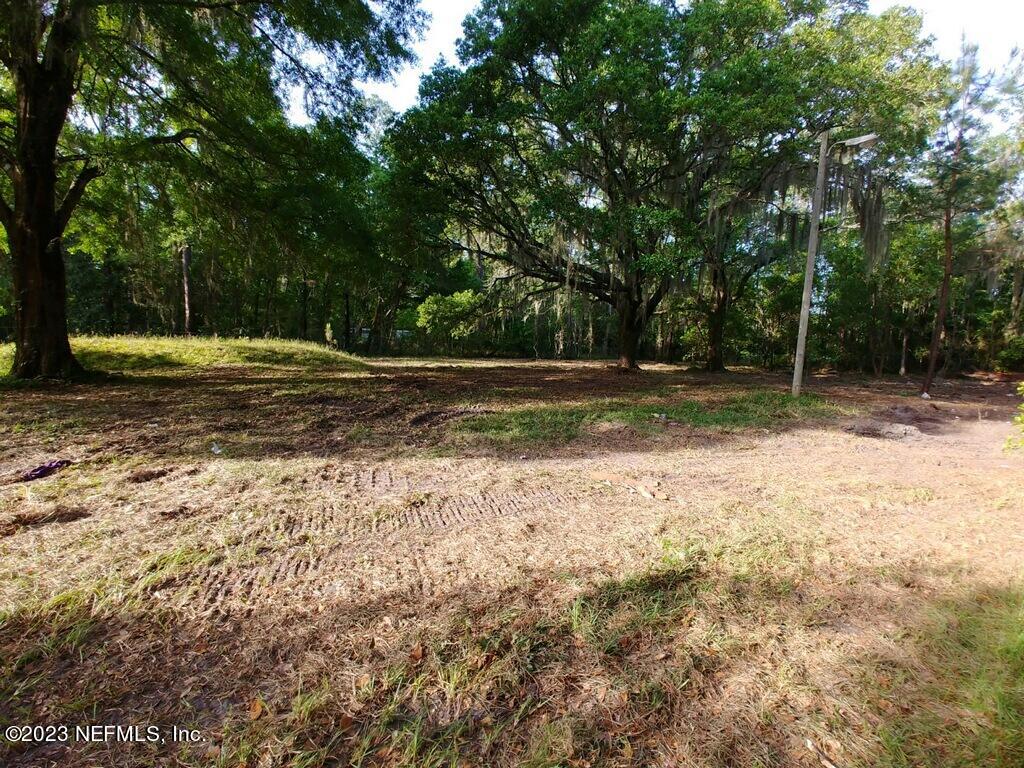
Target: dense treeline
[596,178]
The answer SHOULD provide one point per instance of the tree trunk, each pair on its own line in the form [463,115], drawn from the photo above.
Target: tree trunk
[716,342]
[883,345]
[41,346]
[887,354]
[267,320]
[376,341]
[874,343]
[940,312]
[1016,300]
[44,87]
[607,343]
[325,309]
[111,288]
[257,303]
[947,270]
[590,331]
[37,255]
[950,357]
[348,321]
[186,286]
[304,309]
[630,330]
[716,319]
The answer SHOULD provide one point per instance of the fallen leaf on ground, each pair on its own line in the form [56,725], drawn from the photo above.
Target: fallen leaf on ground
[255,709]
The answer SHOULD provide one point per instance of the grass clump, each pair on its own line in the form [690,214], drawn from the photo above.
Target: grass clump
[56,625]
[619,614]
[970,712]
[305,735]
[546,424]
[1017,441]
[427,713]
[54,628]
[761,408]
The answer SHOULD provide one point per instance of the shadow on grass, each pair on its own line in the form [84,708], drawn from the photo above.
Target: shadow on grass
[262,399]
[640,670]
[254,413]
[498,686]
[963,703]
[117,652]
[99,354]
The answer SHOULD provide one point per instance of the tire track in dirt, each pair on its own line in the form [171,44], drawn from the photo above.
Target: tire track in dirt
[226,591]
[371,481]
[469,508]
[304,547]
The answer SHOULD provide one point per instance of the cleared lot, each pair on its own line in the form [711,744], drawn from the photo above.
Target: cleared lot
[317,560]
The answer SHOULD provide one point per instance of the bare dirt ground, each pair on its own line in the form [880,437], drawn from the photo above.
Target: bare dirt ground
[326,566]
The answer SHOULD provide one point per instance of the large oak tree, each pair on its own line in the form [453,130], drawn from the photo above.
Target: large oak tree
[610,145]
[90,83]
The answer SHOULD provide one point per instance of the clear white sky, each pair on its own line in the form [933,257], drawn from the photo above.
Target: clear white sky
[444,28]
[997,26]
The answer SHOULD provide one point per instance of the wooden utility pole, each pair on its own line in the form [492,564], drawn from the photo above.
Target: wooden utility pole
[812,255]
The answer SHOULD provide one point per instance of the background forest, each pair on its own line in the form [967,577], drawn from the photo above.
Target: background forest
[594,179]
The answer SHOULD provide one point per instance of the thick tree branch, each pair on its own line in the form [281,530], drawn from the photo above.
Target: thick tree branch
[656,296]
[74,195]
[174,138]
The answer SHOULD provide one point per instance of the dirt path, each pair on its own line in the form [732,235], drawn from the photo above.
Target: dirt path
[251,575]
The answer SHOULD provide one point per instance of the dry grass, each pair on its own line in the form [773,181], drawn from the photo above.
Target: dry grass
[369,572]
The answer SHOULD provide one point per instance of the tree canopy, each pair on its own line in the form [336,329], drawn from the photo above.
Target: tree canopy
[610,146]
[89,86]
[621,178]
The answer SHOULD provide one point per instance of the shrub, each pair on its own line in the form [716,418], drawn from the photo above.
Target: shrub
[1012,357]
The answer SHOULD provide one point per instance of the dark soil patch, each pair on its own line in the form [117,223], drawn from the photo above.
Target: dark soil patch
[883,430]
[180,512]
[59,514]
[433,418]
[920,418]
[148,474]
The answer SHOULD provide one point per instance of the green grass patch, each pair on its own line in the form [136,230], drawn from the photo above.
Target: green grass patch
[761,408]
[59,624]
[971,711]
[618,614]
[477,696]
[148,353]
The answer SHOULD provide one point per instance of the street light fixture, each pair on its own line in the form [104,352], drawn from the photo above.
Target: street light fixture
[861,142]
[851,146]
